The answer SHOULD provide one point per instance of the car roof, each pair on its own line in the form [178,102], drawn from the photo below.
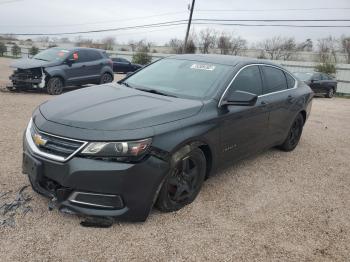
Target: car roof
[75,48]
[222,59]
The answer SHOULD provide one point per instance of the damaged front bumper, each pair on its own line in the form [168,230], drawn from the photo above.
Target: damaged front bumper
[125,191]
[27,78]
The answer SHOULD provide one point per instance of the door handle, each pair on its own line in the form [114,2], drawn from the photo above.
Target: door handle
[83,66]
[263,103]
[290,98]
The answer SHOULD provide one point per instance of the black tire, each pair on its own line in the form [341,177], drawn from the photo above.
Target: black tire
[106,78]
[183,182]
[54,86]
[330,93]
[294,134]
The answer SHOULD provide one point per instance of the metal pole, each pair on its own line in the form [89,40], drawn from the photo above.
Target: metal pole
[188,26]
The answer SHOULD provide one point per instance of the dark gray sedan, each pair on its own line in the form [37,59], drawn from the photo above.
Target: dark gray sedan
[320,83]
[118,149]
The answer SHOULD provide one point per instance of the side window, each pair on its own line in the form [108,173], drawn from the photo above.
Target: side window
[290,80]
[94,55]
[81,55]
[325,77]
[124,60]
[316,77]
[275,79]
[248,80]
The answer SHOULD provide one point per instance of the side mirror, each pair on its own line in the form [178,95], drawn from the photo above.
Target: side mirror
[70,61]
[240,98]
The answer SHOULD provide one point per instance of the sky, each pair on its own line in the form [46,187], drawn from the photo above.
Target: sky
[56,16]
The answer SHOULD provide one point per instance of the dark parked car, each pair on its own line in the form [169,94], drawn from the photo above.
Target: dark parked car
[116,150]
[320,83]
[55,68]
[121,65]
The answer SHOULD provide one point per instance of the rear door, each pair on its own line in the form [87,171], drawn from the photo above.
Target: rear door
[316,83]
[92,65]
[327,83]
[244,127]
[124,65]
[279,97]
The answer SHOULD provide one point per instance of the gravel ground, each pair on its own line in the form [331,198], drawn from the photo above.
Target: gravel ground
[275,206]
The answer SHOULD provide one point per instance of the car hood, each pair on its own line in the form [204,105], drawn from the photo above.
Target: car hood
[27,63]
[113,107]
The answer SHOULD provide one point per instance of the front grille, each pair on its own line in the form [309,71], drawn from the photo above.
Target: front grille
[54,145]
[23,74]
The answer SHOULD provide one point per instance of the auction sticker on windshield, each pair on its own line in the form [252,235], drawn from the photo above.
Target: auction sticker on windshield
[203,67]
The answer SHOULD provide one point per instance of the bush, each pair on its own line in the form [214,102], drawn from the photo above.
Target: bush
[3,49]
[15,50]
[33,50]
[141,57]
[327,68]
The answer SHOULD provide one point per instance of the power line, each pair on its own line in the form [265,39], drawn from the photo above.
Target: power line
[98,22]
[201,21]
[272,20]
[273,25]
[9,1]
[169,23]
[273,10]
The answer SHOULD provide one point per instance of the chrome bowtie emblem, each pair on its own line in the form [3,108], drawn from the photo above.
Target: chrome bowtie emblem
[38,140]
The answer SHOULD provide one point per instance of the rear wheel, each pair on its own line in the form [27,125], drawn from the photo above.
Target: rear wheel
[294,134]
[106,78]
[54,86]
[183,183]
[330,93]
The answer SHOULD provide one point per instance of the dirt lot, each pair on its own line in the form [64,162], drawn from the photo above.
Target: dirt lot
[275,206]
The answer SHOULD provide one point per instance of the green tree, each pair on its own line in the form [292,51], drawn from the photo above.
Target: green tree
[15,50]
[142,54]
[33,50]
[3,49]
[327,67]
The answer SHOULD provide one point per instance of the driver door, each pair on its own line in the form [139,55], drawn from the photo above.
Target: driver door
[244,128]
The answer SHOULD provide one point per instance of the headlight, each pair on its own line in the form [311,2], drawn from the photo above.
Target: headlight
[117,149]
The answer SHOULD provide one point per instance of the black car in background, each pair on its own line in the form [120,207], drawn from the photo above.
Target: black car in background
[122,65]
[320,83]
[152,138]
[55,68]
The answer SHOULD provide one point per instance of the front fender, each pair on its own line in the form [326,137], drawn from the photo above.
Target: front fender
[52,71]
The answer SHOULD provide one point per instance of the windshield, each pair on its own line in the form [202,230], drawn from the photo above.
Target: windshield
[303,76]
[52,54]
[180,78]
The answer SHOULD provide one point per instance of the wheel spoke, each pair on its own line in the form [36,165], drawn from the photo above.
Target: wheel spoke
[185,165]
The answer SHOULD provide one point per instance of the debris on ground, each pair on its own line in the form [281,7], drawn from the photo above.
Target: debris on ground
[9,208]
[100,222]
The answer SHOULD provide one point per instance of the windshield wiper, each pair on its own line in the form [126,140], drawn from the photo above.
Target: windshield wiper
[126,84]
[153,91]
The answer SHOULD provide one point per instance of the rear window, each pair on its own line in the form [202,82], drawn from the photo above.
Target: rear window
[275,80]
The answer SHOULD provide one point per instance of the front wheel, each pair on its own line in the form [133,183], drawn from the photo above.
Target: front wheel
[330,93]
[183,183]
[54,86]
[294,134]
[106,78]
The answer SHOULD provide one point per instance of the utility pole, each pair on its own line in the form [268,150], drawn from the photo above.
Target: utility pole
[188,26]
